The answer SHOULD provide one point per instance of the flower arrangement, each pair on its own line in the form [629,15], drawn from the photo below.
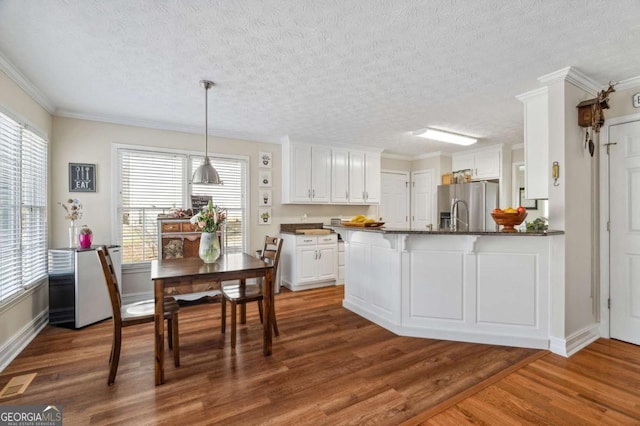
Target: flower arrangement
[73,209]
[209,218]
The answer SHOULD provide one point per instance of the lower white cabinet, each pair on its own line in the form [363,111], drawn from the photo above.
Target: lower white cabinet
[309,261]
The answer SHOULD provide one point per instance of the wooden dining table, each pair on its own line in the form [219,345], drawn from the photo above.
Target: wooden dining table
[187,275]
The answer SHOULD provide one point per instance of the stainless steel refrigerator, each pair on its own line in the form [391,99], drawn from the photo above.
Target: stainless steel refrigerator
[478,199]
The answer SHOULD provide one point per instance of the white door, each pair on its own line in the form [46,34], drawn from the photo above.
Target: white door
[356,177]
[394,199]
[423,196]
[320,174]
[624,236]
[340,176]
[307,258]
[372,178]
[327,262]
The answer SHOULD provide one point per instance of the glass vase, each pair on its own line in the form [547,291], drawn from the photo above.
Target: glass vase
[85,240]
[73,234]
[209,250]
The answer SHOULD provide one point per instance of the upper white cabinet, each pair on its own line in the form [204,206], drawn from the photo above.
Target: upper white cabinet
[306,174]
[339,176]
[314,174]
[484,164]
[364,178]
[536,143]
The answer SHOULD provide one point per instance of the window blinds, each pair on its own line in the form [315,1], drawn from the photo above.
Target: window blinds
[23,207]
[153,182]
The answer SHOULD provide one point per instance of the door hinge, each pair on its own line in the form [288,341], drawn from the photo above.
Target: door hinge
[413,183]
[406,184]
[609,303]
[608,226]
[406,218]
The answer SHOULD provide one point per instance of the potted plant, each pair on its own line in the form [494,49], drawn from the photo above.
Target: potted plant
[265,217]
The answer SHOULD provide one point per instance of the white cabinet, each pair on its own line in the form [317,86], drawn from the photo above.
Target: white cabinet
[364,178]
[339,176]
[309,261]
[536,143]
[319,175]
[484,164]
[306,174]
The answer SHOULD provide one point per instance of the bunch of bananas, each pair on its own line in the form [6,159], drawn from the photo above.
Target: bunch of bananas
[362,219]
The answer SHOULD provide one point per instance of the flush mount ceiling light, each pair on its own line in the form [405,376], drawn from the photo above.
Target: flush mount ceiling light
[442,136]
[206,173]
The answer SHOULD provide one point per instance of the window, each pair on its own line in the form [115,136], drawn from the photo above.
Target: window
[154,181]
[23,208]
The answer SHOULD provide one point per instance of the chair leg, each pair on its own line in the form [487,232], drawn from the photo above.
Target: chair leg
[170,333]
[243,307]
[223,315]
[233,325]
[115,355]
[260,311]
[175,337]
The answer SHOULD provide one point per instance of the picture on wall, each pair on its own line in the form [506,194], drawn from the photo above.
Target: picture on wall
[527,203]
[265,159]
[264,216]
[265,178]
[82,177]
[264,196]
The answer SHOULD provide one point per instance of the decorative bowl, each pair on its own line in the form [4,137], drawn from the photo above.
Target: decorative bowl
[509,220]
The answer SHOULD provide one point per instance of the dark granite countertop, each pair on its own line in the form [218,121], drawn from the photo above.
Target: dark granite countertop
[385,230]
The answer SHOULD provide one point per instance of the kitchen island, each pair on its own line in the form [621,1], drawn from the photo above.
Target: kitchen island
[481,287]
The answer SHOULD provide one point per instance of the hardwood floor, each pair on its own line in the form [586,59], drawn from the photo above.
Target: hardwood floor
[329,366]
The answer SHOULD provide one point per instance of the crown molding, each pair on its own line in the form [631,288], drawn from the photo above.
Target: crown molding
[156,125]
[23,82]
[629,83]
[574,77]
[532,94]
[431,155]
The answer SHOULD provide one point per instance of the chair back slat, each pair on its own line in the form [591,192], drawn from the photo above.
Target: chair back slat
[271,251]
[112,284]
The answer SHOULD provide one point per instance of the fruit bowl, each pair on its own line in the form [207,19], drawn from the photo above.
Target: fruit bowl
[509,220]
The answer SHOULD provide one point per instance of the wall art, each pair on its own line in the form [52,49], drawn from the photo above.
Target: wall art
[264,216]
[82,177]
[265,179]
[264,197]
[265,159]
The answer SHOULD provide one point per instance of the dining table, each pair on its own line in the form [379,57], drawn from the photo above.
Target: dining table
[187,275]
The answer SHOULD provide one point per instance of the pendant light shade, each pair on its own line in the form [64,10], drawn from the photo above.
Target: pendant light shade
[206,173]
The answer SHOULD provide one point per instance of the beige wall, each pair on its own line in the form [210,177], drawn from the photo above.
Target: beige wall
[395,164]
[23,317]
[621,103]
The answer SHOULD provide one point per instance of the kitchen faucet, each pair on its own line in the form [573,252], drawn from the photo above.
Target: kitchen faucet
[454,214]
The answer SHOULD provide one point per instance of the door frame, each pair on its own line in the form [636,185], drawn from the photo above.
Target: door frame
[407,189]
[514,187]
[605,261]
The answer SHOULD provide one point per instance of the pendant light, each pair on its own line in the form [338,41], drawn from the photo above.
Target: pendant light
[206,173]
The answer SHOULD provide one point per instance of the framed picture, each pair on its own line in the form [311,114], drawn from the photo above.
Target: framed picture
[525,202]
[265,178]
[82,177]
[264,196]
[264,216]
[265,160]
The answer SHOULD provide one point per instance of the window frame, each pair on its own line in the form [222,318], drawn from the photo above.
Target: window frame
[116,201]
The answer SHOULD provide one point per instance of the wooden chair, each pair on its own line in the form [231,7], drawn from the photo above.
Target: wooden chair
[241,294]
[135,313]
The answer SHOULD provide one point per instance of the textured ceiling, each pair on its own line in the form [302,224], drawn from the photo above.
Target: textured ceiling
[361,72]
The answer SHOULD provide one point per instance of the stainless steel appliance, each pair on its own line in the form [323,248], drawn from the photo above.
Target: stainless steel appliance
[468,206]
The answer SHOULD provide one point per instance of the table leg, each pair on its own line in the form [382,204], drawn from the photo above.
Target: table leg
[158,290]
[268,308]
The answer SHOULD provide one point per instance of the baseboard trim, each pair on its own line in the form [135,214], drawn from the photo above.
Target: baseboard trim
[575,342]
[10,350]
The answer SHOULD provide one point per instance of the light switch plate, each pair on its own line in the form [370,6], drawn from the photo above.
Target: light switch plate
[636,100]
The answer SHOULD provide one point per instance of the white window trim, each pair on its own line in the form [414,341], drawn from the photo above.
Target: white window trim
[115,179]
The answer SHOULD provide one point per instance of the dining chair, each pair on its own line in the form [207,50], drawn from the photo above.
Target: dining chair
[133,314]
[241,294]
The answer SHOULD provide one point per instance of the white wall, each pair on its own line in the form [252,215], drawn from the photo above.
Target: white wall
[22,318]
